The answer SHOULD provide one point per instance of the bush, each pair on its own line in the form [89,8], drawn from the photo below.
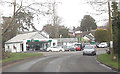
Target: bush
[5,54]
[101,35]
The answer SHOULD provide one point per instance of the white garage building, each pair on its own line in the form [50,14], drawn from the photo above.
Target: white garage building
[30,41]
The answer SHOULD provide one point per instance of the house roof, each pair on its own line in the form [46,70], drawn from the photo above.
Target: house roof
[78,31]
[67,39]
[90,37]
[21,37]
[93,32]
[71,31]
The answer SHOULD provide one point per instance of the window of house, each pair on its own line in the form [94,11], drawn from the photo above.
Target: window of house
[14,47]
[8,47]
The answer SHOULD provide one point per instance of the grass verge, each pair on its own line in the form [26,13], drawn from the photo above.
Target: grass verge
[106,59]
[18,56]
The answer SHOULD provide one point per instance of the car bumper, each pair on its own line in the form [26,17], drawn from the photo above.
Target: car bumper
[87,52]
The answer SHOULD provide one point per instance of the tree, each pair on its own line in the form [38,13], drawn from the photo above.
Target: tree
[64,32]
[88,23]
[100,7]
[55,19]
[0,43]
[36,8]
[23,16]
[115,24]
[101,35]
[51,30]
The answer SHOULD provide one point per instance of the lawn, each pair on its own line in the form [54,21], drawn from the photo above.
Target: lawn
[106,59]
[18,56]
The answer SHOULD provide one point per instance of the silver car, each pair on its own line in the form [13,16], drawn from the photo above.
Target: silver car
[89,49]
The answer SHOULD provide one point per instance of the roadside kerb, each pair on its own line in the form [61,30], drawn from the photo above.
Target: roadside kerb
[108,66]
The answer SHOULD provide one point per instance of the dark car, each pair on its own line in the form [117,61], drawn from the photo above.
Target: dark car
[71,48]
[65,47]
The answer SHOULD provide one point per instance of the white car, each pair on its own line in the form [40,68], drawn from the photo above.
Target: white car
[89,49]
[55,49]
[102,45]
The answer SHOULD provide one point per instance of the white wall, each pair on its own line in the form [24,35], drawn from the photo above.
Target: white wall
[10,47]
[68,44]
[24,45]
[53,41]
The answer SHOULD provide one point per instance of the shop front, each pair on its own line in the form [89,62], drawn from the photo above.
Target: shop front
[36,44]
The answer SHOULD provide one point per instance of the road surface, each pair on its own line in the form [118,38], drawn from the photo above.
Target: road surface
[61,62]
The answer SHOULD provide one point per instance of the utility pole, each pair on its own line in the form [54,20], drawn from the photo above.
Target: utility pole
[0,44]
[14,8]
[111,36]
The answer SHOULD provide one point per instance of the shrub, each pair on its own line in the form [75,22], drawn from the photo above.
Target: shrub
[101,35]
[5,54]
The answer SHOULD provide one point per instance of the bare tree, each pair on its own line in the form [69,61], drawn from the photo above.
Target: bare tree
[100,7]
[37,8]
[55,19]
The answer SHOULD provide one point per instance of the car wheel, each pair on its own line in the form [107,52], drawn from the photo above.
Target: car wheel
[95,54]
[83,53]
[50,50]
[60,50]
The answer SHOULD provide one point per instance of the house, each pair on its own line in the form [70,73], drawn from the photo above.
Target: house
[38,40]
[71,33]
[78,33]
[88,37]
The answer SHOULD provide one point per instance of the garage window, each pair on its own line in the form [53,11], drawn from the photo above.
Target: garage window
[53,44]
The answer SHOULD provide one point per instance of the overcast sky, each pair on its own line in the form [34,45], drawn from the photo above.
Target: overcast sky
[71,12]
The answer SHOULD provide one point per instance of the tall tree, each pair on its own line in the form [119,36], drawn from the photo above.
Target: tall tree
[116,26]
[55,20]
[88,23]
[100,8]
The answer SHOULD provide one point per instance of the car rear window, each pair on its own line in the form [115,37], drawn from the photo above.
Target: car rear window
[88,47]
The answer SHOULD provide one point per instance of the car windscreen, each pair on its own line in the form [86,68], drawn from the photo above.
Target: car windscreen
[78,45]
[88,47]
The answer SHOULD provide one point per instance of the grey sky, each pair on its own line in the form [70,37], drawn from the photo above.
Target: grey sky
[71,12]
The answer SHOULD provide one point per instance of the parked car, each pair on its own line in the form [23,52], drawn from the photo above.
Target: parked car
[85,44]
[89,49]
[71,48]
[102,45]
[78,46]
[55,49]
[65,47]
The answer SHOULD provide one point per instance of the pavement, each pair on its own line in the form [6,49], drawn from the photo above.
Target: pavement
[72,61]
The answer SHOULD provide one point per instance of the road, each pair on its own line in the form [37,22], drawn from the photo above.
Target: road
[61,62]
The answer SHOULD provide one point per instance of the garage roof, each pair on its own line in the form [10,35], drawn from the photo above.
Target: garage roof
[21,37]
